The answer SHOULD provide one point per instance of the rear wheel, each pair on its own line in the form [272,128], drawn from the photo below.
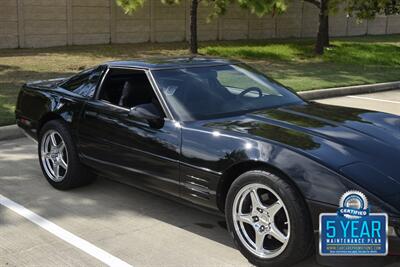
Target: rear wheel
[268,220]
[59,159]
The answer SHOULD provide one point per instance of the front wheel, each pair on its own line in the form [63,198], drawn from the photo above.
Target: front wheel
[268,220]
[59,159]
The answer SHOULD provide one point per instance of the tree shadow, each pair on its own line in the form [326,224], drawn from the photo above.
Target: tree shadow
[136,50]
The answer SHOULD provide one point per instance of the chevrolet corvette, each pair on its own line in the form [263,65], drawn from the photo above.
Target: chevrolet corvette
[220,135]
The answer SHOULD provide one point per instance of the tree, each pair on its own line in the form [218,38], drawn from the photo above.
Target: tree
[368,9]
[263,7]
[361,9]
[218,7]
[323,39]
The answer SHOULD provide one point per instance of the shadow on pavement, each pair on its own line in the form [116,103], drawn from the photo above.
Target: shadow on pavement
[121,209]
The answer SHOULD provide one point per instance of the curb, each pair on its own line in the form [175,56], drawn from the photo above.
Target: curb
[349,90]
[10,132]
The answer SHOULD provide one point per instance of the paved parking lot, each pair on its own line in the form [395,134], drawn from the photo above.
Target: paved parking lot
[388,101]
[113,221]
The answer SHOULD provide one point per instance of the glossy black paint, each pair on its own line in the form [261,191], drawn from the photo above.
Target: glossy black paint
[322,150]
[135,148]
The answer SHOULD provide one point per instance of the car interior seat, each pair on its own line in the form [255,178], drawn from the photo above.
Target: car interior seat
[136,91]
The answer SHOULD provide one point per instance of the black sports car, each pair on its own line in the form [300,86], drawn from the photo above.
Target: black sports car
[221,135]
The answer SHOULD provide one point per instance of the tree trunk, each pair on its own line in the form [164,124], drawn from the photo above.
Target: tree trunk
[326,31]
[323,28]
[193,26]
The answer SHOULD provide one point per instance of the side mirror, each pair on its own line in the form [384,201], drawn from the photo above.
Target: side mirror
[146,112]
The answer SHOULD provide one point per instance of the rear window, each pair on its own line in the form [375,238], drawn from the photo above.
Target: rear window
[85,82]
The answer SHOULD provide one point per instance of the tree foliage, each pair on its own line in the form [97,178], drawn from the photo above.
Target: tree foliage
[218,7]
[264,7]
[368,9]
[130,6]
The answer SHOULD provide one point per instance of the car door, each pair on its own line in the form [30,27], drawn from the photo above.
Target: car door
[129,149]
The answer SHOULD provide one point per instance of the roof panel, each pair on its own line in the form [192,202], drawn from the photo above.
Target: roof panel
[171,62]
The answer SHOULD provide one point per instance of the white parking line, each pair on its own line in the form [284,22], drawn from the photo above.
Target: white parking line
[68,237]
[375,99]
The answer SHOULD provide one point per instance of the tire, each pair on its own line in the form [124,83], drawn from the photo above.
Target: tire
[291,219]
[71,173]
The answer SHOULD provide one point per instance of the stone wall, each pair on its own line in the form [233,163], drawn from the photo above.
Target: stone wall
[44,23]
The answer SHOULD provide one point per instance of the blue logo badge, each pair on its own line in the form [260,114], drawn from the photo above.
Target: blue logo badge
[353,230]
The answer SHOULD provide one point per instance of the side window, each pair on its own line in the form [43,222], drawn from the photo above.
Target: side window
[127,88]
[85,82]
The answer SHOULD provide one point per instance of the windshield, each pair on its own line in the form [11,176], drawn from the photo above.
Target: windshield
[210,92]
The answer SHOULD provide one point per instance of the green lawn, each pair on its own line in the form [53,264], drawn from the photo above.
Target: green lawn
[349,61]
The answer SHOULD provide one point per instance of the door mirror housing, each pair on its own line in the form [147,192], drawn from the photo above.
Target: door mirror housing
[146,111]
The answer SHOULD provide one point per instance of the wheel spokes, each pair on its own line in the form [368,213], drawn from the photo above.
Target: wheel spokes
[255,200]
[277,234]
[63,164]
[274,208]
[54,155]
[61,147]
[259,242]
[53,139]
[57,170]
[245,218]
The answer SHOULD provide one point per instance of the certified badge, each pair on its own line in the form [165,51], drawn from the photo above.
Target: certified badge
[353,230]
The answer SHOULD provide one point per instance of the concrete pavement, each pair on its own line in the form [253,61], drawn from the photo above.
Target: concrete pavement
[137,227]
[388,101]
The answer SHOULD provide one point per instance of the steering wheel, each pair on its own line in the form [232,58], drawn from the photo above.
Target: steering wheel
[250,89]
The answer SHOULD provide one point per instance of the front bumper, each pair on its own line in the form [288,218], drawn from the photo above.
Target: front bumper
[394,241]
[394,246]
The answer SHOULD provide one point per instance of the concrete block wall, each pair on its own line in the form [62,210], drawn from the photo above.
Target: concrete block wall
[262,28]
[393,24]
[206,30]
[338,23]
[8,24]
[234,24]
[130,28]
[309,25]
[377,26]
[44,23]
[90,21]
[355,27]
[289,24]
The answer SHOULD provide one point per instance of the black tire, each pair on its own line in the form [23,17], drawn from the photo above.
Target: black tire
[76,174]
[300,244]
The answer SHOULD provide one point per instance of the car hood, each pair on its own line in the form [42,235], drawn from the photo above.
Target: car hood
[342,139]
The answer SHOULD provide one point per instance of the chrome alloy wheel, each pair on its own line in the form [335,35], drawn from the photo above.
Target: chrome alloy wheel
[261,220]
[54,155]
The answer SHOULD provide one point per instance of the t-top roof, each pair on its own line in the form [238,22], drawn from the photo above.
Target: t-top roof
[171,62]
